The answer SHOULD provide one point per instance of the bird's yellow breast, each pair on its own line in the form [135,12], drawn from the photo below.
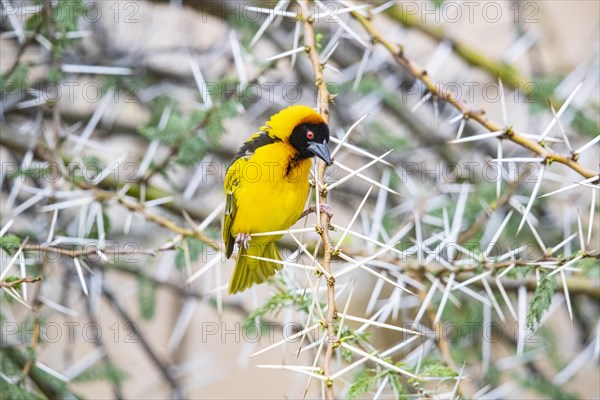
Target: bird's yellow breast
[270,190]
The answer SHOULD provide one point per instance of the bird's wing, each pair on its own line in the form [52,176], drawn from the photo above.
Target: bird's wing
[231,186]
[233,181]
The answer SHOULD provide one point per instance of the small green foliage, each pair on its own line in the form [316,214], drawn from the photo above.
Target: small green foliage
[363,383]
[276,303]
[396,384]
[15,392]
[318,39]
[350,336]
[17,81]
[438,370]
[103,372]
[214,120]
[10,243]
[541,301]
[13,278]
[63,16]
[492,375]
[146,297]
[367,378]
[191,151]
[55,75]
[195,248]
[94,232]
[33,172]
[545,387]
[551,347]
[190,134]
[543,90]
[590,267]
[586,125]
[381,137]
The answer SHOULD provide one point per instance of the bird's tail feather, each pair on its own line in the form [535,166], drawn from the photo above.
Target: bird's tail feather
[249,271]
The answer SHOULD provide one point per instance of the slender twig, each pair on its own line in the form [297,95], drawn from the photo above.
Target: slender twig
[324,99]
[29,41]
[89,250]
[420,73]
[157,219]
[162,367]
[484,217]
[41,152]
[16,282]
[47,384]
[496,69]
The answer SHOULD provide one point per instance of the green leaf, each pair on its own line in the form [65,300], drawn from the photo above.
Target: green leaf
[363,383]
[17,81]
[545,387]
[10,244]
[540,301]
[13,278]
[438,370]
[14,392]
[146,297]
[395,380]
[94,233]
[589,267]
[195,248]
[276,303]
[105,371]
[586,125]
[318,38]
[191,150]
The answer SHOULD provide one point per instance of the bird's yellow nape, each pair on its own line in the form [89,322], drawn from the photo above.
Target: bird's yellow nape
[283,123]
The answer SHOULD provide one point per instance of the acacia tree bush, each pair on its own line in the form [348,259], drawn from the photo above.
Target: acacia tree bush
[462,256]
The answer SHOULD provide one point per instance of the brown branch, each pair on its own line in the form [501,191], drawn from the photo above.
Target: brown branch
[104,195]
[324,99]
[29,40]
[16,282]
[89,250]
[483,218]
[492,67]
[41,152]
[576,284]
[160,364]
[419,73]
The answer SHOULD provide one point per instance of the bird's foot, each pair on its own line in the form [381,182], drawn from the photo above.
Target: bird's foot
[243,239]
[324,208]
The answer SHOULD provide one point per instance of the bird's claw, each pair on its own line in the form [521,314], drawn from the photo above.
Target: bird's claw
[324,208]
[242,239]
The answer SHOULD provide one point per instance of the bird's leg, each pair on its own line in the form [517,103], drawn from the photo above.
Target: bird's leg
[243,239]
[324,208]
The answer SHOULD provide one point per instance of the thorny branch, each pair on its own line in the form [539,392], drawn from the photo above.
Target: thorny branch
[103,195]
[17,282]
[420,73]
[494,68]
[324,100]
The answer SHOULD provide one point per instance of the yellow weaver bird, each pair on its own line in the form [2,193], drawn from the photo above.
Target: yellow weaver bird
[267,186]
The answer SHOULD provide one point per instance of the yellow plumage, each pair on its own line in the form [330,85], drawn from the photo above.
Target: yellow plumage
[267,187]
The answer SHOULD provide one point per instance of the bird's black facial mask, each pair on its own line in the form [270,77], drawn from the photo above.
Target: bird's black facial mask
[311,140]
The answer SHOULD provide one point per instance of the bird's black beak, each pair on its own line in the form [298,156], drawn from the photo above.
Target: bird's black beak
[321,150]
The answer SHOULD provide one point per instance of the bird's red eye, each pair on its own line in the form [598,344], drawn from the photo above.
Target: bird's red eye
[310,135]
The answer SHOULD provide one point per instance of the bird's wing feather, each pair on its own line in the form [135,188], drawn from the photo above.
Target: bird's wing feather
[231,186]
[257,140]
[232,181]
